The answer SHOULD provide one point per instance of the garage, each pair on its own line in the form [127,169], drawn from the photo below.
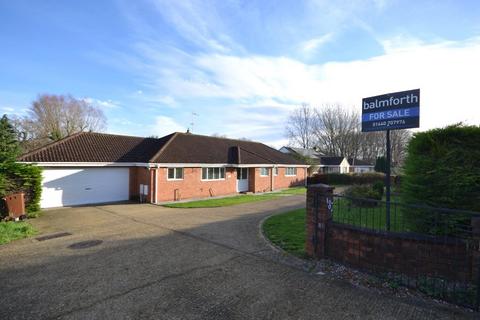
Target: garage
[78,186]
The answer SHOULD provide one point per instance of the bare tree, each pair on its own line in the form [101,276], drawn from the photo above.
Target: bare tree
[300,127]
[53,117]
[337,131]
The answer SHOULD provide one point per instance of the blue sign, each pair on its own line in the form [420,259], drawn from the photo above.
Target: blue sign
[398,110]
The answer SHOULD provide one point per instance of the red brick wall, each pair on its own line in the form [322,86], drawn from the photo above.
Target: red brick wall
[281,181]
[260,183]
[140,175]
[193,187]
[384,252]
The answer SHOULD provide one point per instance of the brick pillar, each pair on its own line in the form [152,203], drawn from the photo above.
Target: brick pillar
[319,214]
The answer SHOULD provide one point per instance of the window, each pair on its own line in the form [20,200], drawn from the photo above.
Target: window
[291,171]
[264,171]
[275,171]
[175,173]
[242,173]
[213,173]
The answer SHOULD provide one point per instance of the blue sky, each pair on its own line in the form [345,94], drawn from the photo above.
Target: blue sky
[242,66]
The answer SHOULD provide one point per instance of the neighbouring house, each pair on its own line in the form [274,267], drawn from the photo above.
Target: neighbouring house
[329,164]
[360,166]
[88,168]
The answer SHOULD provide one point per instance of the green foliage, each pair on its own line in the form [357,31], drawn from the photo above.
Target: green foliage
[347,178]
[442,169]
[9,146]
[381,165]
[10,231]
[378,188]
[358,192]
[17,177]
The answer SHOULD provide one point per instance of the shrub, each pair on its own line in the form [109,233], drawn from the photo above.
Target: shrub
[17,177]
[358,193]
[378,188]
[442,169]
[346,178]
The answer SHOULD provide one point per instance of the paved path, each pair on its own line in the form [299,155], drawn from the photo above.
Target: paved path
[161,263]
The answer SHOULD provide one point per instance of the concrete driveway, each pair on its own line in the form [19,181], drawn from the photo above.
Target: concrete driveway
[161,263]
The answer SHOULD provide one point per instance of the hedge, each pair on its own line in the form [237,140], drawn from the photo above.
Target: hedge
[346,178]
[442,169]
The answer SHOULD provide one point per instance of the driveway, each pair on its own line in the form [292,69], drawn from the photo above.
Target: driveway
[163,263]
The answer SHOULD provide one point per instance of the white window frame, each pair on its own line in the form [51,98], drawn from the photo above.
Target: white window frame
[221,169]
[262,174]
[275,171]
[288,169]
[175,171]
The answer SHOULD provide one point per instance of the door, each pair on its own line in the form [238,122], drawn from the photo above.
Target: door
[242,179]
[77,186]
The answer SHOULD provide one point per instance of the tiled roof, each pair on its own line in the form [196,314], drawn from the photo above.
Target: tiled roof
[191,148]
[331,161]
[174,148]
[97,147]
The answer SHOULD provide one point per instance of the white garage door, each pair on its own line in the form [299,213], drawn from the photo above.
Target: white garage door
[76,186]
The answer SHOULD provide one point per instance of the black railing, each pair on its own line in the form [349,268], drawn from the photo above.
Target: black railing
[432,249]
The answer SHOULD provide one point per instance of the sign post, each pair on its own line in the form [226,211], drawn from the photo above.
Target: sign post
[391,111]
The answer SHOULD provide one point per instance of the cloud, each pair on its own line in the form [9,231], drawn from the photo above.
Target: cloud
[311,46]
[109,104]
[198,22]
[165,125]
[437,69]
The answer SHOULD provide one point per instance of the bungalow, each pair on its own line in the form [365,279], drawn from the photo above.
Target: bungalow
[88,168]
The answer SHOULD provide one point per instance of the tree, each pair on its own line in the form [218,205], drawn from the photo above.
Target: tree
[9,146]
[337,131]
[15,176]
[300,127]
[53,117]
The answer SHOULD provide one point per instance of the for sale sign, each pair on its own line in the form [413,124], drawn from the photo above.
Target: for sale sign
[398,110]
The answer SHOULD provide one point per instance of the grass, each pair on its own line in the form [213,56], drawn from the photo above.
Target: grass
[231,201]
[10,231]
[372,218]
[287,230]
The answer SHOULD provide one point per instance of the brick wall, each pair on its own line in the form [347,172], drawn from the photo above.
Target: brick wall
[402,254]
[192,185]
[378,251]
[260,183]
[140,175]
[281,181]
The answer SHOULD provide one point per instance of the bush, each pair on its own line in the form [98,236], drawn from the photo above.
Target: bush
[346,178]
[358,193]
[378,188]
[20,177]
[442,169]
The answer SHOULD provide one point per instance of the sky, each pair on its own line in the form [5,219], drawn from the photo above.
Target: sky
[239,68]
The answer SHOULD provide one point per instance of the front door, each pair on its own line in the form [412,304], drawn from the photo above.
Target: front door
[242,179]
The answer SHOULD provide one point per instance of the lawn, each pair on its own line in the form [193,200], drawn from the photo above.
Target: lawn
[287,230]
[230,201]
[10,231]
[371,218]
